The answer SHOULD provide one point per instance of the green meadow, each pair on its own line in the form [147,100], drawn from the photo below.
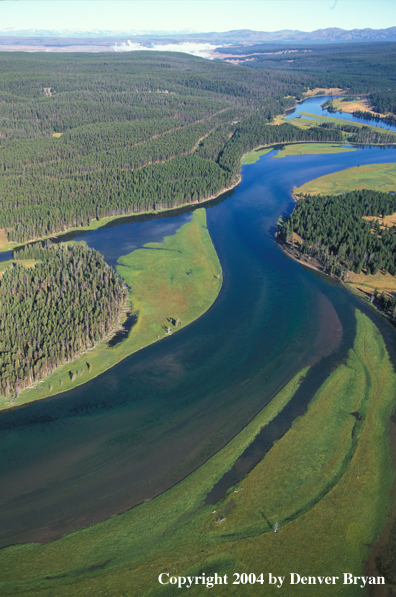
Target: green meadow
[253,156]
[376,177]
[324,486]
[178,279]
[312,149]
[295,149]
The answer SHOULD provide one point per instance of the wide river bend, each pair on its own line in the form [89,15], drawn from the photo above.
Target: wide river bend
[122,438]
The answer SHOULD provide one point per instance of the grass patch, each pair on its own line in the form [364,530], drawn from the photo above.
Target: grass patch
[294,149]
[253,156]
[172,283]
[351,106]
[179,279]
[57,135]
[376,177]
[4,244]
[389,221]
[311,148]
[25,262]
[365,284]
[322,91]
[326,482]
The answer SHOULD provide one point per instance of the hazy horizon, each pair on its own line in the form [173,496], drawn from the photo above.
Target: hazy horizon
[198,16]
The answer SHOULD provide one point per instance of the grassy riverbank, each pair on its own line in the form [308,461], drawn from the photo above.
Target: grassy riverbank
[179,279]
[295,149]
[376,177]
[253,156]
[326,483]
[312,149]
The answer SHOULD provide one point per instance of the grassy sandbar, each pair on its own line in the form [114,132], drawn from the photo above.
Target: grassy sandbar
[312,149]
[253,156]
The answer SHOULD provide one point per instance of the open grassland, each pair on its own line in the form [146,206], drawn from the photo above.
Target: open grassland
[311,149]
[277,120]
[326,484]
[179,279]
[389,221]
[322,91]
[365,285]
[351,106]
[376,177]
[4,244]
[295,149]
[253,156]
[5,265]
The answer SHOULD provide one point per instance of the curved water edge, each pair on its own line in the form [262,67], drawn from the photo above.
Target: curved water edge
[155,417]
[313,105]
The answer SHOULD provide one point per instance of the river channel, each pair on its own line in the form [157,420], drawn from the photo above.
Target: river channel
[139,428]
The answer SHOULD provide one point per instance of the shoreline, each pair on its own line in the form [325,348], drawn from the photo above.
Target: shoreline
[101,348]
[107,219]
[292,253]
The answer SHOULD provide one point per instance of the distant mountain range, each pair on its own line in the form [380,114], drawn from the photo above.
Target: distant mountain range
[244,36]
[200,44]
[329,35]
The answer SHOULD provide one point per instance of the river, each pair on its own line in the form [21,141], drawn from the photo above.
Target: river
[313,105]
[122,438]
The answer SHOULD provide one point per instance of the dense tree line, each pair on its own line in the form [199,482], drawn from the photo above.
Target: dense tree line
[383,102]
[334,231]
[38,204]
[62,306]
[55,205]
[365,135]
[255,131]
[369,116]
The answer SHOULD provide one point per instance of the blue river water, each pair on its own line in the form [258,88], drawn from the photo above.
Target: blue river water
[134,431]
[313,105]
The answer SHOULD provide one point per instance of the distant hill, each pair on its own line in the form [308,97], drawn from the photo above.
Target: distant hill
[104,40]
[329,35]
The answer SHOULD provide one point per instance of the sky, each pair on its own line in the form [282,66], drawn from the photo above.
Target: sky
[197,15]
